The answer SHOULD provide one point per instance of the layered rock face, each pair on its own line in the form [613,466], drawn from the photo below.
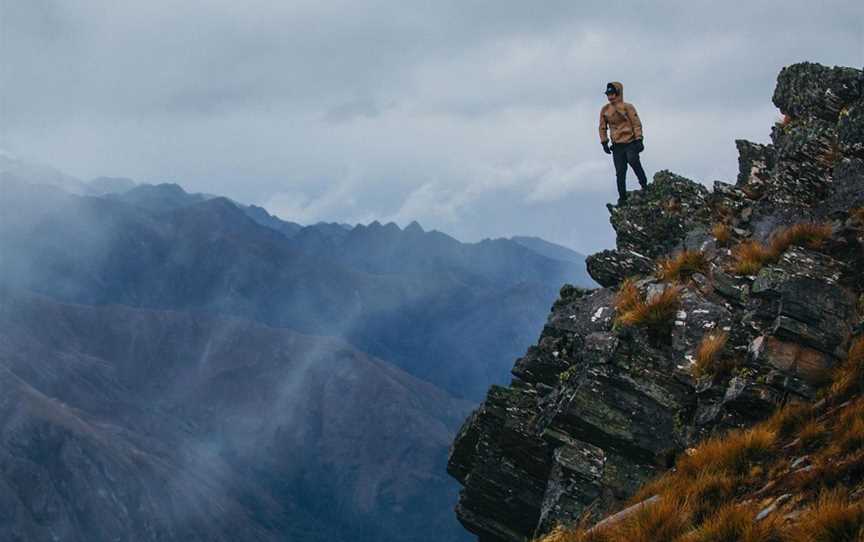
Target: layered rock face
[597,407]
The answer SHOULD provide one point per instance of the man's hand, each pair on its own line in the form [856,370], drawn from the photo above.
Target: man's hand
[606,147]
[639,145]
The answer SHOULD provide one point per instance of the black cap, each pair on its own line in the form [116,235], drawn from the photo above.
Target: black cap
[610,89]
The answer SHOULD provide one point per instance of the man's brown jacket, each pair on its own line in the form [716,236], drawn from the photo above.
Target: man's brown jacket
[621,119]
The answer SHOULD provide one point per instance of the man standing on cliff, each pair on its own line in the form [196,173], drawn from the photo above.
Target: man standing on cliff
[623,124]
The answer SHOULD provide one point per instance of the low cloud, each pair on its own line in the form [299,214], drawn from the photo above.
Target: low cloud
[484,111]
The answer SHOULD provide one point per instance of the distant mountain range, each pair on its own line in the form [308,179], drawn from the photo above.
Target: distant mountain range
[134,424]
[182,366]
[405,295]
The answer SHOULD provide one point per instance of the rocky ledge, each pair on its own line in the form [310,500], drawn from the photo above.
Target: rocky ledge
[602,403]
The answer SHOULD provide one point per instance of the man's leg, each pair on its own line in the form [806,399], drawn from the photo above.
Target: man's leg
[636,164]
[619,157]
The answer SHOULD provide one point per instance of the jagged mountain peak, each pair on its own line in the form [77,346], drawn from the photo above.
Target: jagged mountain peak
[414,228]
[765,271]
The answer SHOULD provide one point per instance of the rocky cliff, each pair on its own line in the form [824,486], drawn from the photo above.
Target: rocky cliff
[717,307]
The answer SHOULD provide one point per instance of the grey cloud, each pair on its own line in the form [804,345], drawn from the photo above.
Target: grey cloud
[357,108]
[354,111]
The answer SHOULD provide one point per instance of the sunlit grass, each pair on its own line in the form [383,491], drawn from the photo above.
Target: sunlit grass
[708,355]
[849,377]
[722,233]
[655,314]
[750,256]
[682,266]
[833,518]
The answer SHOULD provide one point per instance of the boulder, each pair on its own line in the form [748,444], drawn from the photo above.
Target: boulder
[811,90]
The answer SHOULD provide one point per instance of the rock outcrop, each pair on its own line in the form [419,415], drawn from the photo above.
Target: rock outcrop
[598,407]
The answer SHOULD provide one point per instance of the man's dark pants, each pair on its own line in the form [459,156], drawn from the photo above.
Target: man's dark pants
[623,154]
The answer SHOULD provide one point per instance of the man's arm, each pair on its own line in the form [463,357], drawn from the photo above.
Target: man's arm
[635,121]
[604,137]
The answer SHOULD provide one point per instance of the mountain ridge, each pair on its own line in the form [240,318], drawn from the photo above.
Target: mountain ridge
[156,410]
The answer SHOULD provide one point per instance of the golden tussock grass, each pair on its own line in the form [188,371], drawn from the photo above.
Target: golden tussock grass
[561,534]
[850,414]
[703,495]
[722,233]
[788,420]
[829,471]
[750,256]
[734,523]
[806,234]
[858,215]
[682,266]
[848,430]
[722,459]
[850,438]
[655,313]
[812,434]
[628,296]
[659,520]
[708,355]
[833,518]
[848,378]
[734,452]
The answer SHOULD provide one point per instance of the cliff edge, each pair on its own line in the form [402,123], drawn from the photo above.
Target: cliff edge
[717,307]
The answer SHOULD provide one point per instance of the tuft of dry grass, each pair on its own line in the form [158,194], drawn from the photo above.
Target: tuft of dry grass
[832,519]
[682,266]
[708,354]
[656,314]
[789,420]
[849,377]
[560,534]
[722,233]
[734,452]
[628,296]
[848,430]
[812,434]
[850,438]
[858,215]
[750,256]
[735,523]
[806,234]
[660,520]
[703,495]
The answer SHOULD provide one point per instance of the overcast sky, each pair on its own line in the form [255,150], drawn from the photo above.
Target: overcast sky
[477,118]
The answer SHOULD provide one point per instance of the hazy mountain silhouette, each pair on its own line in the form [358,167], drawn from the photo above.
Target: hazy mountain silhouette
[391,292]
[166,373]
[121,423]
